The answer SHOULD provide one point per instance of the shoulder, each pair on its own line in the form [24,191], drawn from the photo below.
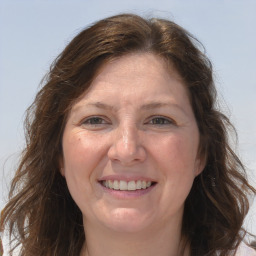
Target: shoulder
[245,250]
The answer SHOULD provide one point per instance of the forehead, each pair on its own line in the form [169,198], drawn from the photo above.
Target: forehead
[135,72]
[140,64]
[140,78]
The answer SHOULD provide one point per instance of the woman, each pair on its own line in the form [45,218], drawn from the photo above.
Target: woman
[126,152]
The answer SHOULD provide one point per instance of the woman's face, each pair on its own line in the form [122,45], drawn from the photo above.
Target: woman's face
[130,146]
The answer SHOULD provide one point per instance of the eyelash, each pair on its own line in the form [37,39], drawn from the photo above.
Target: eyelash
[163,121]
[90,120]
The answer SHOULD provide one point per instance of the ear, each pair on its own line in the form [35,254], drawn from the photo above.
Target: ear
[200,164]
[61,166]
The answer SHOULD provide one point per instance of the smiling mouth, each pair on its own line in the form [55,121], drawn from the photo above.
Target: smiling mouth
[127,185]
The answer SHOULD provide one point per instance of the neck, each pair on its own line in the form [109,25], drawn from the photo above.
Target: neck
[162,241]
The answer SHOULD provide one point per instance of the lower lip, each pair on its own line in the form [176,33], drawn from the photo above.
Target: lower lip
[127,194]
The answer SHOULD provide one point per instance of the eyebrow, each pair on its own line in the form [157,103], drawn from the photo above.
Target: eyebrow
[155,105]
[102,106]
[148,106]
[95,104]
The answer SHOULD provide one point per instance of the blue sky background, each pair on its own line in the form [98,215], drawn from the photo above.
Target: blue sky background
[34,32]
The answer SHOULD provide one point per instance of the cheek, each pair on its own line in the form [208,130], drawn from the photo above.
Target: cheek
[177,162]
[176,158]
[80,151]
[176,152]
[80,158]
[179,165]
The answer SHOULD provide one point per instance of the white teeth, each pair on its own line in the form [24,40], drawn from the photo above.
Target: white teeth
[131,185]
[124,185]
[138,184]
[116,185]
[110,184]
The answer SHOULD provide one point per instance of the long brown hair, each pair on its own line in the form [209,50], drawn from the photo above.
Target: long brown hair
[41,214]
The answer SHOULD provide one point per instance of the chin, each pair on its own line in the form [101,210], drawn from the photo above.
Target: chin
[127,220]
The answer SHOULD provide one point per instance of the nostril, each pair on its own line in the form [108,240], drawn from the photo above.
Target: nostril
[126,154]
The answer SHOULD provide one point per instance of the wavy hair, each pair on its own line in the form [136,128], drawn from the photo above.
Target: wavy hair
[41,215]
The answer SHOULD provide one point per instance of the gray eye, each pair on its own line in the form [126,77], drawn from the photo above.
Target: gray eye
[160,120]
[94,120]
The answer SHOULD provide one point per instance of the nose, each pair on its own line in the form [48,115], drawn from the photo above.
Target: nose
[126,147]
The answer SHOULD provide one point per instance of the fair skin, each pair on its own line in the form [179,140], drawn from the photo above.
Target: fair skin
[130,156]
